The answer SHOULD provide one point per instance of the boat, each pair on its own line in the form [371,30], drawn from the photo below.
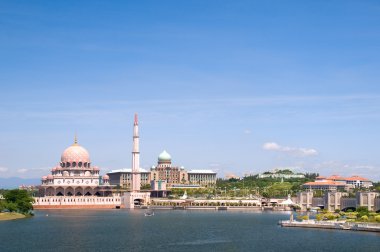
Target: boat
[345,226]
[149,214]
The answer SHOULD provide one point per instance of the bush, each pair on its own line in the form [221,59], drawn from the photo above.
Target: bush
[302,217]
[319,217]
[364,218]
[330,217]
[377,218]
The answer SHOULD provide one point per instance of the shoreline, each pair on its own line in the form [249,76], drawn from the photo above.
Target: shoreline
[338,225]
[12,216]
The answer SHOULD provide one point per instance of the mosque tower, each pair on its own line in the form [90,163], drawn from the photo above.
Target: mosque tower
[136,179]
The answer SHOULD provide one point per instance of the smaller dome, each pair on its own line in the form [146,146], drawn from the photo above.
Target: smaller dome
[44,177]
[96,168]
[164,157]
[106,177]
[50,176]
[54,169]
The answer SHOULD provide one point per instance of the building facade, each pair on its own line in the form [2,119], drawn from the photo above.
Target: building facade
[337,183]
[206,178]
[164,171]
[340,200]
[123,177]
[75,183]
[75,176]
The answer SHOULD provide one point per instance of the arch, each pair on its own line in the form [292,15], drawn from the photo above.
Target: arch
[80,164]
[50,191]
[78,194]
[66,173]
[138,202]
[349,208]
[69,191]
[88,191]
[60,191]
[97,193]
[74,164]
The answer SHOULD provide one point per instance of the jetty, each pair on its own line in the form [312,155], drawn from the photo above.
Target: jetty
[340,225]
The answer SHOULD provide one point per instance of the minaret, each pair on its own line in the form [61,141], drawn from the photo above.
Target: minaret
[136,179]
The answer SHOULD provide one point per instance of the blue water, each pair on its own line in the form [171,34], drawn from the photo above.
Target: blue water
[172,230]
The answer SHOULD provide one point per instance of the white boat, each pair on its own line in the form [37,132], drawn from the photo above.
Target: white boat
[149,213]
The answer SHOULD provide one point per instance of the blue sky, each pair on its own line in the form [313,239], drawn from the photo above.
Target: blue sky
[235,86]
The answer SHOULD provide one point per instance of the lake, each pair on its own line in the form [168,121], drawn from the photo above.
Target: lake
[172,230]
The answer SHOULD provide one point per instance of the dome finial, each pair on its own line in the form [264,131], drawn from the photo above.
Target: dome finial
[75,139]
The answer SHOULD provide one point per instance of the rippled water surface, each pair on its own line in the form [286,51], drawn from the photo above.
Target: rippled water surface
[172,230]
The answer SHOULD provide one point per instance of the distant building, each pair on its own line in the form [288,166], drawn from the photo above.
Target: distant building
[324,185]
[205,178]
[123,177]
[165,171]
[336,182]
[286,174]
[173,176]
[339,200]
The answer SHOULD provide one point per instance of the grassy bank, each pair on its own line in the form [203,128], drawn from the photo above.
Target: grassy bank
[11,216]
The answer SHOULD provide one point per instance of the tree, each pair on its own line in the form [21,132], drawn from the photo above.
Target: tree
[362,211]
[19,200]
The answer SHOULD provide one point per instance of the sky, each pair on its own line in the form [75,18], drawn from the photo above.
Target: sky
[239,87]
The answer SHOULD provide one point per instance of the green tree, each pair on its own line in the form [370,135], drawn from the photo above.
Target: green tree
[19,200]
[362,211]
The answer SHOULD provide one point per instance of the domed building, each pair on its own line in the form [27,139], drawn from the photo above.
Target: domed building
[164,171]
[74,182]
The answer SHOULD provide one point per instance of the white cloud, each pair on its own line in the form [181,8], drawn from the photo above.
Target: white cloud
[22,170]
[271,146]
[303,152]
[3,169]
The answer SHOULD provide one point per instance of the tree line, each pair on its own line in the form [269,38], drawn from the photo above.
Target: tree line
[17,201]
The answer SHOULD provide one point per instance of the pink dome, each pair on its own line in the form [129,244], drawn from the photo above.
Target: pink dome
[106,177]
[96,168]
[49,176]
[44,177]
[75,153]
[54,169]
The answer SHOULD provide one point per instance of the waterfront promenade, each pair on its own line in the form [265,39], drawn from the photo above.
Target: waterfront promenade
[340,225]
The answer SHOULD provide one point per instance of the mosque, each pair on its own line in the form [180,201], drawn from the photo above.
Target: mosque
[75,176]
[76,183]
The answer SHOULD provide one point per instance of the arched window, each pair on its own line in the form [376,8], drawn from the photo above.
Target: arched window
[80,164]
[74,164]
